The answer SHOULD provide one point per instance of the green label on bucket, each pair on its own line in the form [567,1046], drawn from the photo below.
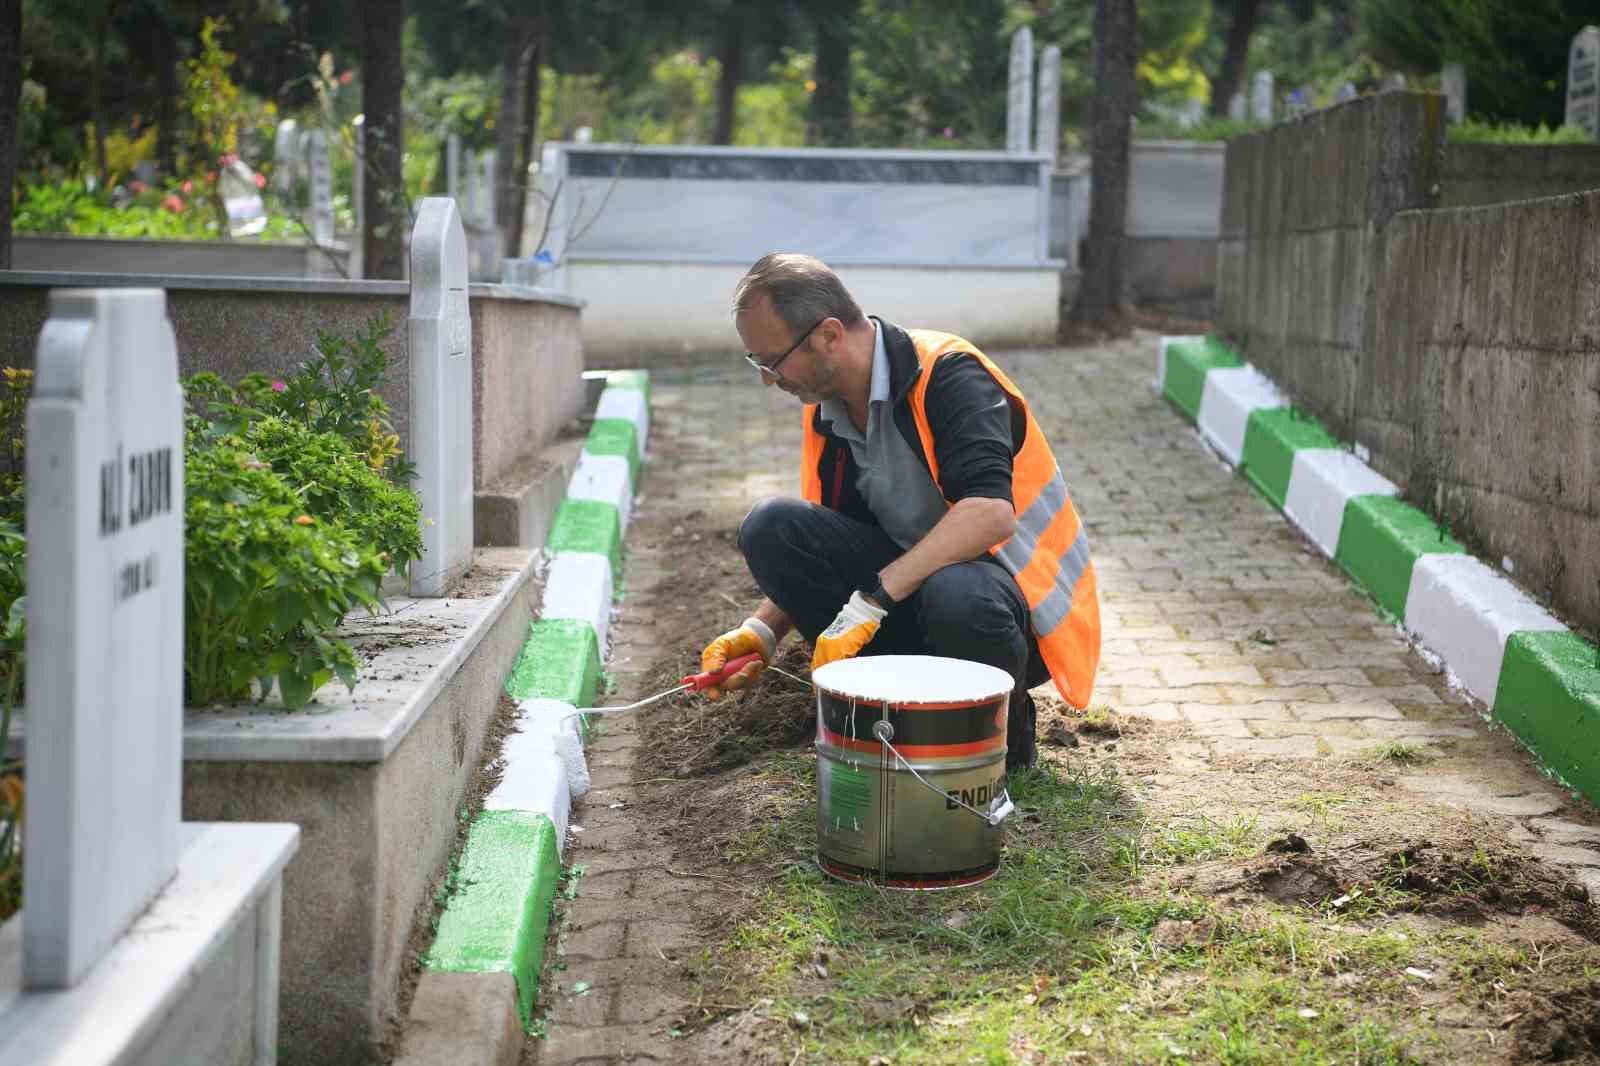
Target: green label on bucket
[849,793]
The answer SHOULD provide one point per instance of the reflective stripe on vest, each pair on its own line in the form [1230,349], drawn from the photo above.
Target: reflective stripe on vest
[1047,553]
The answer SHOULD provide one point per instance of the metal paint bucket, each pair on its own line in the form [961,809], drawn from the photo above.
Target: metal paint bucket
[911,781]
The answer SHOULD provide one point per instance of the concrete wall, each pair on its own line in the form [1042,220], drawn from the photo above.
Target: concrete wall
[1476,174]
[648,314]
[1482,394]
[1304,204]
[527,352]
[1458,345]
[122,255]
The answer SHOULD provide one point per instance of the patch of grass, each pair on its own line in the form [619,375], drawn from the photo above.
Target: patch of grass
[1398,751]
[1202,838]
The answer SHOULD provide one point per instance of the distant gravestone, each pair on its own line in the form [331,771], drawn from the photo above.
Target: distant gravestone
[488,209]
[105,626]
[440,343]
[1453,79]
[286,157]
[358,200]
[1393,82]
[1019,97]
[1261,91]
[469,188]
[1583,81]
[452,167]
[1047,137]
[1238,108]
[1345,94]
[320,169]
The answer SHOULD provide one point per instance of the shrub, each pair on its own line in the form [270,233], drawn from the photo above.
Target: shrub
[1474,132]
[266,583]
[13,630]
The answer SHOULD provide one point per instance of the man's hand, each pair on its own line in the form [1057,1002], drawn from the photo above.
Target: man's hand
[753,635]
[856,624]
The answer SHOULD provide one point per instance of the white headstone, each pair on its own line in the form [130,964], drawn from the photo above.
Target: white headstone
[440,333]
[1583,81]
[1019,97]
[358,199]
[105,626]
[241,198]
[1048,136]
[321,177]
[1261,96]
[486,212]
[452,167]
[1346,93]
[470,207]
[1454,82]
[1393,82]
[1238,108]
[285,157]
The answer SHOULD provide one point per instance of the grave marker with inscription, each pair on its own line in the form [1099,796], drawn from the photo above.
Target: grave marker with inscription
[1583,81]
[1261,93]
[1019,97]
[441,394]
[105,625]
[321,178]
[1453,80]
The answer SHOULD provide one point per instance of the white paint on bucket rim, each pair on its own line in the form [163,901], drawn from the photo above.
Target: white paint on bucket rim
[900,679]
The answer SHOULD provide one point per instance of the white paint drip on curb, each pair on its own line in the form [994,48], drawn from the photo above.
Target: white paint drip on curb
[1465,611]
[603,478]
[1231,393]
[535,781]
[629,405]
[1161,359]
[1321,482]
[579,586]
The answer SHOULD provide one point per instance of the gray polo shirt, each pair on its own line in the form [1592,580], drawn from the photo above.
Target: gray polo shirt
[890,476]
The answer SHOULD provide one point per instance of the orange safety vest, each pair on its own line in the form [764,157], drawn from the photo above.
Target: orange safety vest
[1047,554]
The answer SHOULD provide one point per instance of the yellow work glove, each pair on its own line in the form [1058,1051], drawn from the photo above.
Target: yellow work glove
[753,635]
[856,624]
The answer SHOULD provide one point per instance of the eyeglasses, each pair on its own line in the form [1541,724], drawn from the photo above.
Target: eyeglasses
[772,367]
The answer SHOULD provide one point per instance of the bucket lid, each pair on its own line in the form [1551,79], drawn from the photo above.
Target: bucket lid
[898,679]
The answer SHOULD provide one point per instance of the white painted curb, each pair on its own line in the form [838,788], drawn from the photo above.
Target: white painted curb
[1320,484]
[557,723]
[1160,382]
[1231,393]
[535,781]
[578,586]
[604,478]
[629,405]
[1465,611]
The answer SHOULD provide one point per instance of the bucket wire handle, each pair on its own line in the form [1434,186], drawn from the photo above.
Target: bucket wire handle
[998,810]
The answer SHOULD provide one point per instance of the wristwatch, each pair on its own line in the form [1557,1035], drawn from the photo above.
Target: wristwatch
[880,596]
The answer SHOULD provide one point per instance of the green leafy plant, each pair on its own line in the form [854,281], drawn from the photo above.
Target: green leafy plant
[13,632]
[1475,132]
[212,100]
[266,583]
[338,483]
[15,386]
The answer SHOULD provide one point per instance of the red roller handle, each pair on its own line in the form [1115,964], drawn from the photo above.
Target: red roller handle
[707,679]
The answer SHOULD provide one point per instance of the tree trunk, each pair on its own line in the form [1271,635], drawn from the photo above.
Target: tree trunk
[10,99]
[830,103]
[166,48]
[508,130]
[1099,303]
[1237,55]
[530,134]
[728,83]
[382,73]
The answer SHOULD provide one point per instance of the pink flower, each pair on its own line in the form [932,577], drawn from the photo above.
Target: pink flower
[187,187]
[172,203]
[949,133]
[347,77]
[278,386]
[261,181]
[137,186]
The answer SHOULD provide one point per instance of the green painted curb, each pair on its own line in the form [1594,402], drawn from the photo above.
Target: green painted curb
[559,661]
[1187,365]
[1271,438]
[630,379]
[616,436]
[1549,696]
[588,526]
[495,920]
[1380,541]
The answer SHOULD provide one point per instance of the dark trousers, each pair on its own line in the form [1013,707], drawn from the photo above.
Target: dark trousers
[808,559]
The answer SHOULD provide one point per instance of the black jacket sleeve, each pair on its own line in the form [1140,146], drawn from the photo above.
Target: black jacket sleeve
[976,429]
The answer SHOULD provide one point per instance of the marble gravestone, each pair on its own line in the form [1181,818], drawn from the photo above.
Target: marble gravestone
[1346,93]
[105,626]
[1394,82]
[440,341]
[1048,137]
[285,157]
[1583,81]
[468,203]
[1238,108]
[1261,91]
[358,200]
[1453,80]
[320,169]
[1019,97]
[452,166]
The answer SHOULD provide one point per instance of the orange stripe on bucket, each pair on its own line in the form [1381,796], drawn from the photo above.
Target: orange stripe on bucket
[925,751]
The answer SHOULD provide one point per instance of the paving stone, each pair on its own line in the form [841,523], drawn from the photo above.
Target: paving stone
[1282,747]
[1328,712]
[569,1045]
[605,940]
[1484,797]
[654,937]
[1223,712]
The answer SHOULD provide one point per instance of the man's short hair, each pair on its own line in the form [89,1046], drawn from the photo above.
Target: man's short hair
[802,288]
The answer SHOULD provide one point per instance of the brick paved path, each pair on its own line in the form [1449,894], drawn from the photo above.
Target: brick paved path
[1217,614]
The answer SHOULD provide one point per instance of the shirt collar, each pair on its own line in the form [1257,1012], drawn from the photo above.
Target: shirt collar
[880,366]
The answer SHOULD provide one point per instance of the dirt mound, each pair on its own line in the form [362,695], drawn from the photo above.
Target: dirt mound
[1564,1027]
